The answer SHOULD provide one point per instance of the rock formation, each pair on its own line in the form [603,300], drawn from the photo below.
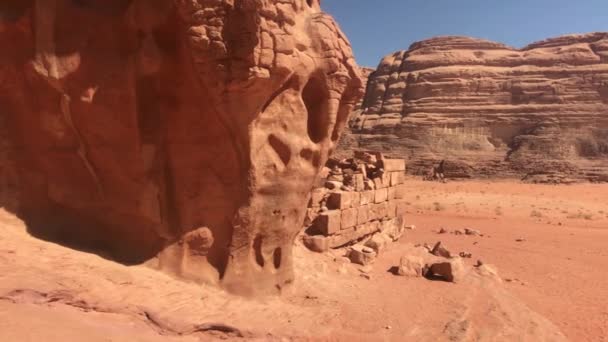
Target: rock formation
[491,110]
[365,73]
[185,133]
[362,198]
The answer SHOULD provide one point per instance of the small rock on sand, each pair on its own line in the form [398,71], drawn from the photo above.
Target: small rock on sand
[441,251]
[411,266]
[361,255]
[452,270]
[473,232]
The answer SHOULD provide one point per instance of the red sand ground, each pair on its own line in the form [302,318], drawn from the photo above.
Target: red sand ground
[560,270]
[53,293]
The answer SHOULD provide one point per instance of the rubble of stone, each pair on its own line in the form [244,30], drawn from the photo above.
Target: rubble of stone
[361,255]
[465,231]
[438,263]
[362,198]
[441,250]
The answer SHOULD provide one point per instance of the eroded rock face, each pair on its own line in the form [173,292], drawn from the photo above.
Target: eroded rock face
[490,109]
[184,131]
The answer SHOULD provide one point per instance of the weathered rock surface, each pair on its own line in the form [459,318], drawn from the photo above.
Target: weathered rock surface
[491,110]
[134,122]
[365,73]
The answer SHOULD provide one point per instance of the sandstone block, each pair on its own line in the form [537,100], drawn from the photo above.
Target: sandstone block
[369,156]
[370,227]
[378,183]
[362,214]
[381,195]
[397,228]
[343,237]
[386,179]
[391,165]
[412,266]
[349,218]
[355,199]
[350,235]
[361,255]
[317,196]
[383,181]
[341,200]
[367,197]
[319,244]
[452,270]
[359,182]
[336,178]
[328,223]
[378,242]
[379,211]
[369,184]
[333,185]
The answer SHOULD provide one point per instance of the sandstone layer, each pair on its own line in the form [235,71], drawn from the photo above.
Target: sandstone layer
[491,110]
[183,133]
[365,73]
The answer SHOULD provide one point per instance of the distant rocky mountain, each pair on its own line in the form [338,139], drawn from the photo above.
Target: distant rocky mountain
[365,73]
[491,110]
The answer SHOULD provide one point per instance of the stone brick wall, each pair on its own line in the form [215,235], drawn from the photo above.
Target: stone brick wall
[345,215]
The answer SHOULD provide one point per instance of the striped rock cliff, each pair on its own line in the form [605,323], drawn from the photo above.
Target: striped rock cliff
[365,73]
[491,110]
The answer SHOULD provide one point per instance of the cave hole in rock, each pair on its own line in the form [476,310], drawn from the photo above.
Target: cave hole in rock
[315,96]
[314,157]
[306,154]
[280,148]
[257,249]
[276,258]
[310,2]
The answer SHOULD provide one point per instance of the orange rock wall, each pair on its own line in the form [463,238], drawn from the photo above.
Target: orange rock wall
[489,109]
[182,133]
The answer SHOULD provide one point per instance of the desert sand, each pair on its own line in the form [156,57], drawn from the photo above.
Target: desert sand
[559,270]
[545,241]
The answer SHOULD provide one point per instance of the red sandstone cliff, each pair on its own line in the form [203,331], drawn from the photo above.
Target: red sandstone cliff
[490,109]
[185,133]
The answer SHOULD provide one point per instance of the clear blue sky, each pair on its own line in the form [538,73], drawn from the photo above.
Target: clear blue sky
[379,27]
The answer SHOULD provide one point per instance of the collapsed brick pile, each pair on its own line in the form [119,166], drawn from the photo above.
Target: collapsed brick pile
[362,196]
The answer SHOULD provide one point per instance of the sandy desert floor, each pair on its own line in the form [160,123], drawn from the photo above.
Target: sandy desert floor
[547,242]
[560,270]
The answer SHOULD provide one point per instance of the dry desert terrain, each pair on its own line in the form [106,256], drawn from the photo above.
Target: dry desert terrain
[547,243]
